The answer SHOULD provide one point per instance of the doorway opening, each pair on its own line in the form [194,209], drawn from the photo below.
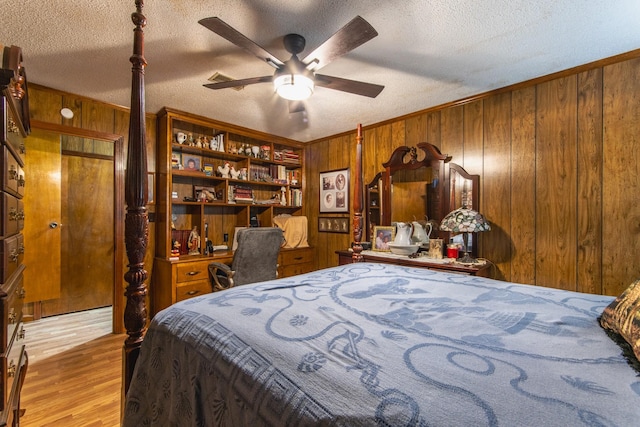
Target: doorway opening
[85,169]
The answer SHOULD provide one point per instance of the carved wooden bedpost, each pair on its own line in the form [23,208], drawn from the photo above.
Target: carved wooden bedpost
[136,227]
[357,202]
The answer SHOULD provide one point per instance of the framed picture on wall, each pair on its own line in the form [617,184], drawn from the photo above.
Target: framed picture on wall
[333,225]
[334,191]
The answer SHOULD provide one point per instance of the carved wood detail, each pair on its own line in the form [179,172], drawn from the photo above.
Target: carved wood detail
[136,197]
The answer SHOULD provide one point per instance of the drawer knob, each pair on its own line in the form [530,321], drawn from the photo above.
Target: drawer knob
[13,214]
[22,293]
[298,258]
[12,317]
[21,181]
[22,333]
[13,173]
[193,273]
[23,149]
[193,292]
[11,369]
[13,256]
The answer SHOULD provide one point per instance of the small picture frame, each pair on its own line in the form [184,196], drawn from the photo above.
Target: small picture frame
[191,163]
[382,235]
[333,225]
[435,248]
[334,191]
[204,194]
[208,169]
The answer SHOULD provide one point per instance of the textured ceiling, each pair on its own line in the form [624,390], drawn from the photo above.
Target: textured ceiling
[428,52]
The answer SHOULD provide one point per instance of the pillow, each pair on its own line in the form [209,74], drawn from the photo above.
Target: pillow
[622,317]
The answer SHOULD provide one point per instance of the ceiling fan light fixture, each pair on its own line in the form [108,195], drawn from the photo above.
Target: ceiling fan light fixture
[294,87]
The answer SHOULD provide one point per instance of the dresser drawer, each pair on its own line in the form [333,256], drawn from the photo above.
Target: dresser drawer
[11,255]
[193,289]
[13,175]
[295,261]
[295,256]
[11,369]
[191,271]
[10,208]
[294,269]
[13,137]
[11,307]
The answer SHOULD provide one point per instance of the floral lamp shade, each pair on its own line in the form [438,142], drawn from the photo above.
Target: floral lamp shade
[463,220]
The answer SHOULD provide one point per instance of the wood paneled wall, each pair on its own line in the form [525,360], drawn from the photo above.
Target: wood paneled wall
[559,161]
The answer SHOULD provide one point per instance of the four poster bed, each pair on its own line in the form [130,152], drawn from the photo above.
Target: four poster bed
[365,343]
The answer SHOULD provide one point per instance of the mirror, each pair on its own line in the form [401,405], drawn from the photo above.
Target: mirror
[463,188]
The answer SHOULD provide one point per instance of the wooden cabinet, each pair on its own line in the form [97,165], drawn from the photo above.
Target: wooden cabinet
[177,280]
[183,279]
[215,177]
[344,257]
[14,127]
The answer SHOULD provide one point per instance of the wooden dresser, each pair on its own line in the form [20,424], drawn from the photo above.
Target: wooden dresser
[14,108]
[178,280]
[345,257]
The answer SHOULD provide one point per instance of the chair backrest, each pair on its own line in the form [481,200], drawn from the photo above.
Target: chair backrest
[256,258]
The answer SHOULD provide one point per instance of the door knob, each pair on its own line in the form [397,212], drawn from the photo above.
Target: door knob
[53,224]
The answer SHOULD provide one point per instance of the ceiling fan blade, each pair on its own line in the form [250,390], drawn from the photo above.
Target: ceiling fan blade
[347,38]
[241,82]
[296,107]
[224,30]
[352,86]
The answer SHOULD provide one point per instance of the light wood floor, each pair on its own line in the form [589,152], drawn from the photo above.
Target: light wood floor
[74,374]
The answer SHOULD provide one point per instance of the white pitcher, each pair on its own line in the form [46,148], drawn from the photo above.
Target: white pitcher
[403,233]
[421,233]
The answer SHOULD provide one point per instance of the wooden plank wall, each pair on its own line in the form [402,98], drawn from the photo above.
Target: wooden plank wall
[559,164]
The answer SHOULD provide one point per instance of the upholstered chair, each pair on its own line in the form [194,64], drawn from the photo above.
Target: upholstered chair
[255,259]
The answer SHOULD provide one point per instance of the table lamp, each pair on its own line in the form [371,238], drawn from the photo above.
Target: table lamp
[463,220]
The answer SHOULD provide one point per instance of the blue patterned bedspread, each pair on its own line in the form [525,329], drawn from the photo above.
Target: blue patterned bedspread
[373,344]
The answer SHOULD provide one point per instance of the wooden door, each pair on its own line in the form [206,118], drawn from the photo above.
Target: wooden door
[87,240]
[42,205]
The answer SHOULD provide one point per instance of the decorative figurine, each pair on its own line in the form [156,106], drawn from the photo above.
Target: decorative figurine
[224,170]
[194,242]
[175,249]
[234,173]
[283,197]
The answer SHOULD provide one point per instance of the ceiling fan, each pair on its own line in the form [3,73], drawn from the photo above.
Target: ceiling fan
[295,79]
